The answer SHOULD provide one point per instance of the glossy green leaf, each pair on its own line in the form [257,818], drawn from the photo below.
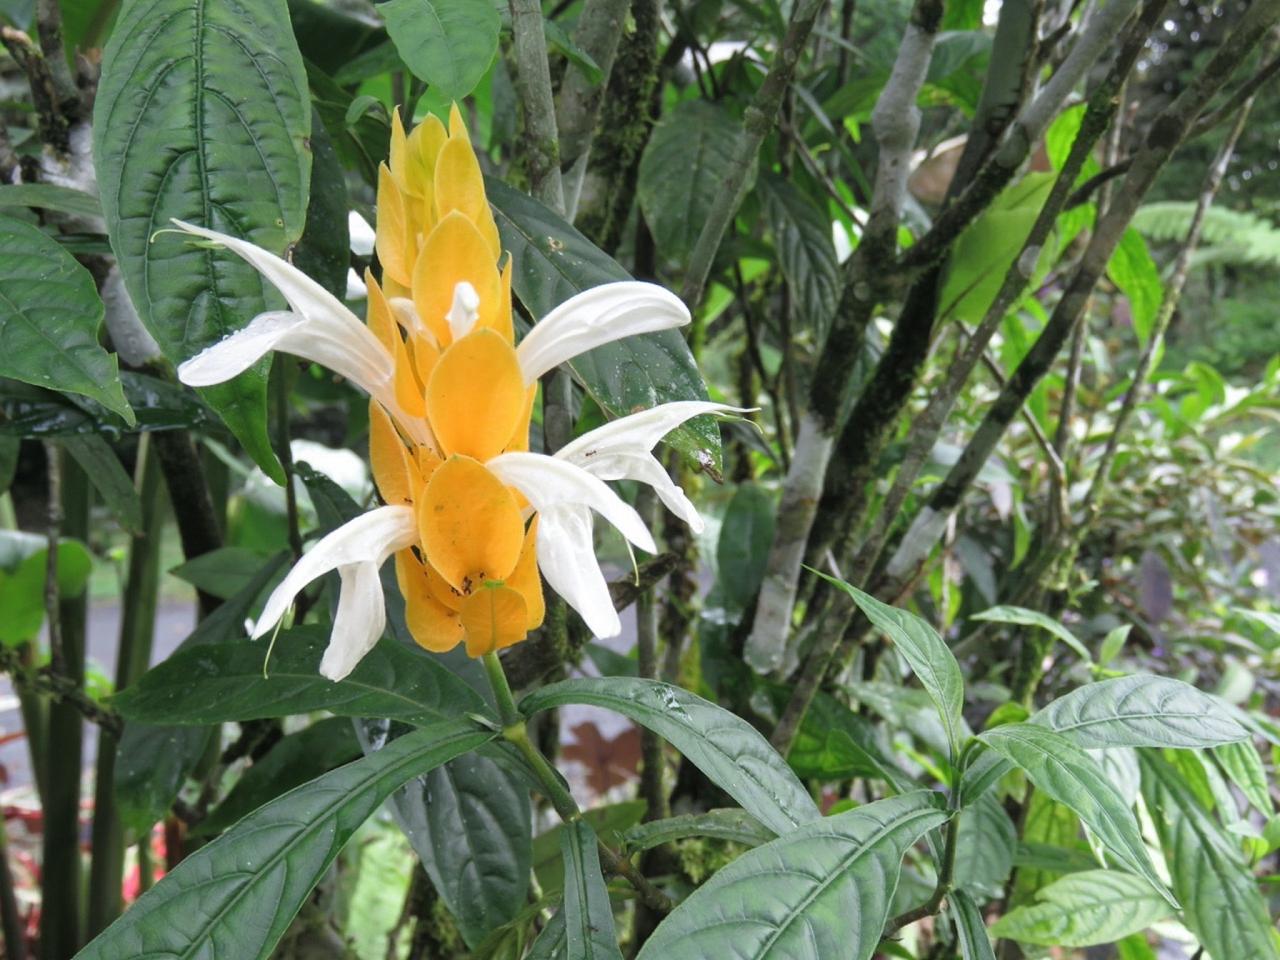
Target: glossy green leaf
[1084,909]
[607,822]
[447,43]
[1221,902]
[742,551]
[108,477]
[682,171]
[202,114]
[235,681]
[552,942]
[930,659]
[971,931]
[470,823]
[1141,711]
[551,262]
[50,314]
[157,405]
[824,890]
[1032,618]
[588,914]
[49,196]
[726,748]
[295,759]
[220,573]
[237,896]
[726,824]
[806,252]
[1136,274]
[324,251]
[1069,775]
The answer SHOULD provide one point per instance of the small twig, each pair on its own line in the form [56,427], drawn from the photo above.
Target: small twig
[49,682]
[53,530]
[1083,192]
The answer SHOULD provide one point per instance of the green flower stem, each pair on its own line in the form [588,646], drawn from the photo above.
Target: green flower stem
[516,732]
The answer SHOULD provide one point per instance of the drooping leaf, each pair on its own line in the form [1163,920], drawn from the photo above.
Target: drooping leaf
[823,890]
[447,43]
[1141,711]
[1242,765]
[726,748]
[726,824]
[607,822]
[202,114]
[551,261]
[1084,909]
[1033,618]
[971,931]
[235,681]
[157,405]
[682,171]
[1136,274]
[295,759]
[743,548]
[552,941]
[806,252]
[324,251]
[925,652]
[984,849]
[108,477]
[1221,902]
[50,314]
[49,196]
[588,914]
[1069,775]
[220,573]
[237,896]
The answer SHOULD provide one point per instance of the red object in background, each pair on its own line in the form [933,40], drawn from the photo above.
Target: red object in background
[133,878]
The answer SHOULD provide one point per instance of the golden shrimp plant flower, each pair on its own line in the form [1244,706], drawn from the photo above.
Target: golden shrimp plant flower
[471,516]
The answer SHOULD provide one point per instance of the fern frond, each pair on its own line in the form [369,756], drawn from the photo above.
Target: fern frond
[1229,236]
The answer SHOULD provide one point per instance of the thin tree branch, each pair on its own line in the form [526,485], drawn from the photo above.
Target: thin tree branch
[533,81]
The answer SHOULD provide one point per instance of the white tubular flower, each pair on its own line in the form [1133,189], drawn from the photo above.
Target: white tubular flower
[595,317]
[567,559]
[356,550]
[622,450]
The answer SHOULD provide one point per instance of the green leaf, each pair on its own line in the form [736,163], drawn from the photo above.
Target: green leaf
[48,196]
[470,823]
[558,39]
[447,43]
[724,824]
[50,314]
[1085,909]
[220,573]
[551,262]
[971,931]
[925,652]
[203,114]
[108,477]
[226,682]
[606,821]
[1113,643]
[1136,274]
[821,891]
[1031,618]
[24,560]
[324,251]
[157,405]
[984,849]
[1243,767]
[588,914]
[1141,711]
[1221,902]
[237,896]
[682,171]
[1070,776]
[1049,828]
[552,941]
[806,252]
[726,748]
[743,548]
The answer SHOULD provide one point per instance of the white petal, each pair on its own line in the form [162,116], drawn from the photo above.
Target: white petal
[595,317]
[464,310]
[358,623]
[361,235]
[645,468]
[370,538]
[547,483]
[567,559]
[240,351]
[639,431]
[330,334]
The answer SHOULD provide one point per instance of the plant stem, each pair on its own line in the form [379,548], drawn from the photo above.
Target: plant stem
[533,82]
[516,732]
[280,401]
[946,880]
[15,942]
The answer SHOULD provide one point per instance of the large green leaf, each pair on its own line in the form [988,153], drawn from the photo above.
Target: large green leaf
[984,849]
[682,171]
[822,891]
[588,914]
[1033,618]
[50,313]
[237,896]
[294,760]
[202,114]
[925,652]
[33,412]
[1084,909]
[1141,711]
[448,43]
[743,548]
[1069,775]
[806,252]
[1221,902]
[235,681]
[551,262]
[730,751]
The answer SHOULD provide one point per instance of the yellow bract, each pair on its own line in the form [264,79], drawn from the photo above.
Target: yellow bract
[474,576]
